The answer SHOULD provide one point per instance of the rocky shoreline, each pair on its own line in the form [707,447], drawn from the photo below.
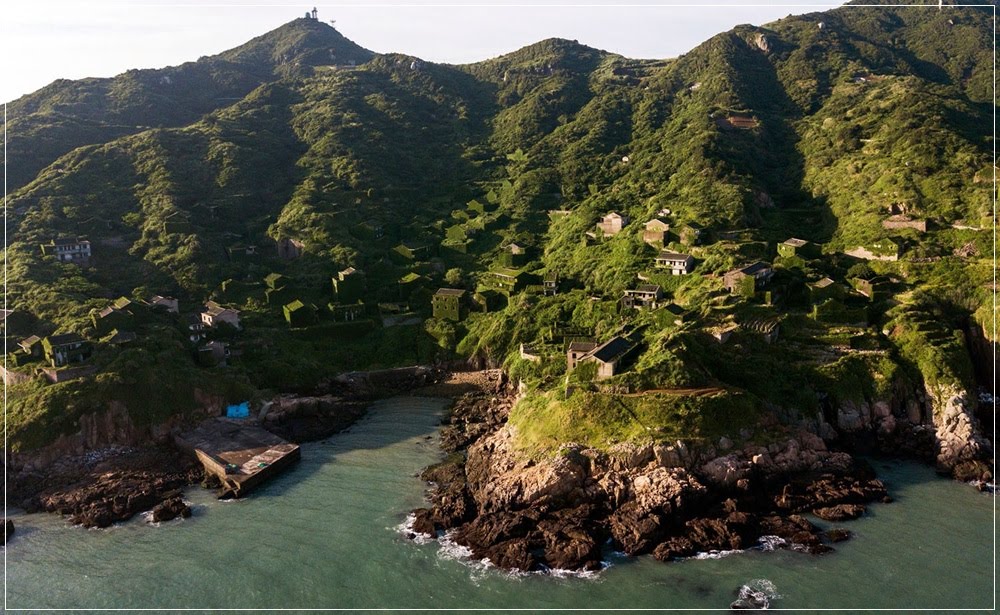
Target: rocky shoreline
[664,500]
[100,490]
[138,471]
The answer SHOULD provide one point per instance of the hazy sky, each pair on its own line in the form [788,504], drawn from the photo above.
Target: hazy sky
[41,42]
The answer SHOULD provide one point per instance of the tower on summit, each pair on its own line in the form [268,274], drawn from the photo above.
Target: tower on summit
[314,13]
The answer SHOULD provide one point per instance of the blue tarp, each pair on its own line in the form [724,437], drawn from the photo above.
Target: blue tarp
[239,411]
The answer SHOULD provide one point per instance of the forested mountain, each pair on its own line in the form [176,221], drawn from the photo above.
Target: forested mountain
[421,175]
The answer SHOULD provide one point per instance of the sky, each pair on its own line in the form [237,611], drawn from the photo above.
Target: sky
[65,39]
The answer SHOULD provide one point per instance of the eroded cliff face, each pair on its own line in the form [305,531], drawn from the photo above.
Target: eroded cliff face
[935,424]
[961,445]
[111,428]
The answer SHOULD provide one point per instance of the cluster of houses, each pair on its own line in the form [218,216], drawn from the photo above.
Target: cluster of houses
[64,356]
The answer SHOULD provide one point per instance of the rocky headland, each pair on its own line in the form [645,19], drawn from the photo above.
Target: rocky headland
[671,500]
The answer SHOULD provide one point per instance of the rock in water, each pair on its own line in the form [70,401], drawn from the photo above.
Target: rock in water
[171,509]
[840,512]
[8,530]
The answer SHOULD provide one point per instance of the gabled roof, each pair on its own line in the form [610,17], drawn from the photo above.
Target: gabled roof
[412,277]
[296,305]
[755,268]
[795,242]
[648,288]
[510,273]
[614,214]
[122,337]
[214,309]
[582,346]
[28,342]
[346,272]
[822,283]
[450,292]
[69,241]
[64,338]
[657,222]
[673,256]
[611,349]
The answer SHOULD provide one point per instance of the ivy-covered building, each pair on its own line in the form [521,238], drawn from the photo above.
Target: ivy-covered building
[299,314]
[349,285]
[66,348]
[449,304]
[748,280]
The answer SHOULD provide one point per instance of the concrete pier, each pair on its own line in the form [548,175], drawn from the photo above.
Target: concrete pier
[242,455]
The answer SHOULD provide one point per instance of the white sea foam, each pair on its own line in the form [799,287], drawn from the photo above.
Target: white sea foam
[758,593]
[771,543]
[406,529]
[716,554]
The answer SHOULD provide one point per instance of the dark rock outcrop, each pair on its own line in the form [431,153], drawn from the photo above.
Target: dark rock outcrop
[670,501]
[8,530]
[170,509]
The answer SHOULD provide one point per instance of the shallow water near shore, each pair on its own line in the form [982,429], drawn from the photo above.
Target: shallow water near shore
[325,534]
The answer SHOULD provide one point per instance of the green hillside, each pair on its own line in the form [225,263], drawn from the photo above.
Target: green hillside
[194,181]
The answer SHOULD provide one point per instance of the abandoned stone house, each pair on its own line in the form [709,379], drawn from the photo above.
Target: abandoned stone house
[289,249]
[66,348]
[656,231]
[449,304]
[164,303]
[612,223]
[575,351]
[759,272]
[509,280]
[823,289]
[610,357]
[796,247]
[349,285]
[299,314]
[32,346]
[646,296]
[215,314]
[68,250]
[348,312]
[550,283]
[515,255]
[676,262]
[110,318]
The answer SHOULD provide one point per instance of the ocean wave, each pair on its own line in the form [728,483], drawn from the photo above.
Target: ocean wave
[406,529]
[756,594]
[771,543]
[448,549]
[715,554]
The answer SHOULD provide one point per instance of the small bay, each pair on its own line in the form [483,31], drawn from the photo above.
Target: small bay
[326,535]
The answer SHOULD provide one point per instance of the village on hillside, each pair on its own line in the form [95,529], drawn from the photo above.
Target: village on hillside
[767,284]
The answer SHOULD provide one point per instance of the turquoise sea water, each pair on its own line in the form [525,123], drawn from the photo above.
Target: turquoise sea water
[325,534]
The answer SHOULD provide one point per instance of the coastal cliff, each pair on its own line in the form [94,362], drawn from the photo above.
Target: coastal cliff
[671,500]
